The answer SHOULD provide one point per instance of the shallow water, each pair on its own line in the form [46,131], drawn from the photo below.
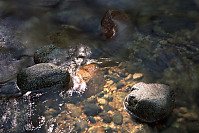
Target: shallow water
[161,43]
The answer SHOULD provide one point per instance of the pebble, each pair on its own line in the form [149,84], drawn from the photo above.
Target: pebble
[92,109]
[117,118]
[102,101]
[81,125]
[137,76]
[106,118]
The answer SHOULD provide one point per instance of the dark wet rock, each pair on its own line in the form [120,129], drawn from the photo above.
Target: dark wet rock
[41,76]
[92,110]
[149,102]
[47,53]
[91,119]
[81,125]
[106,118]
[114,21]
[117,118]
[9,89]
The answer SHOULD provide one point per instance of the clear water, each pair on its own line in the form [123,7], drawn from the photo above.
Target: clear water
[164,47]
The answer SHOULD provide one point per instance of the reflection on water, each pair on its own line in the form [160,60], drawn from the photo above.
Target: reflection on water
[163,47]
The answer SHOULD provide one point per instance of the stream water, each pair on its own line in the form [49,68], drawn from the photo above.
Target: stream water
[161,43]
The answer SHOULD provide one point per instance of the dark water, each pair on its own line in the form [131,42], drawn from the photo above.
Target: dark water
[162,43]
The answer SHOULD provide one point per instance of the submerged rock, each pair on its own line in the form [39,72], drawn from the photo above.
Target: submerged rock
[114,21]
[92,109]
[149,102]
[41,76]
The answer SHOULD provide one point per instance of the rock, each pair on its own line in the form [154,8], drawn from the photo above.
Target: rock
[41,76]
[114,21]
[102,101]
[137,76]
[106,118]
[47,53]
[117,118]
[92,109]
[149,102]
[9,89]
[81,125]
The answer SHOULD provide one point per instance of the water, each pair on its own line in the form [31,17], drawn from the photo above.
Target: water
[161,42]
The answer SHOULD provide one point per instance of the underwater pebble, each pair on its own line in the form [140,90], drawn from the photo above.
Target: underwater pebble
[92,109]
[117,118]
[106,118]
[102,101]
[137,76]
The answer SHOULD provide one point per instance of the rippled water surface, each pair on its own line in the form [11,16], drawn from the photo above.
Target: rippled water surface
[159,44]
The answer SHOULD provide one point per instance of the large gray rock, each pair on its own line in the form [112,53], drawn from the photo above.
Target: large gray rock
[41,76]
[149,102]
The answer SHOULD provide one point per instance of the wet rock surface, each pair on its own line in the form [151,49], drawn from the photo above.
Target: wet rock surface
[149,102]
[114,21]
[40,76]
[9,90]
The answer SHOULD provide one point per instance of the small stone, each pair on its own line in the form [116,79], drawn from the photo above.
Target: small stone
[92,109]
[137,76]
[149,102]
[110,82]
[41,76]
[102,101]
[106,118]
[117,118]
[81,125]
[129,77]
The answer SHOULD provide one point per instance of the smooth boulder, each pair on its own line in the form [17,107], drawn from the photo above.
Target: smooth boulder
[149,102]
[41,76]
